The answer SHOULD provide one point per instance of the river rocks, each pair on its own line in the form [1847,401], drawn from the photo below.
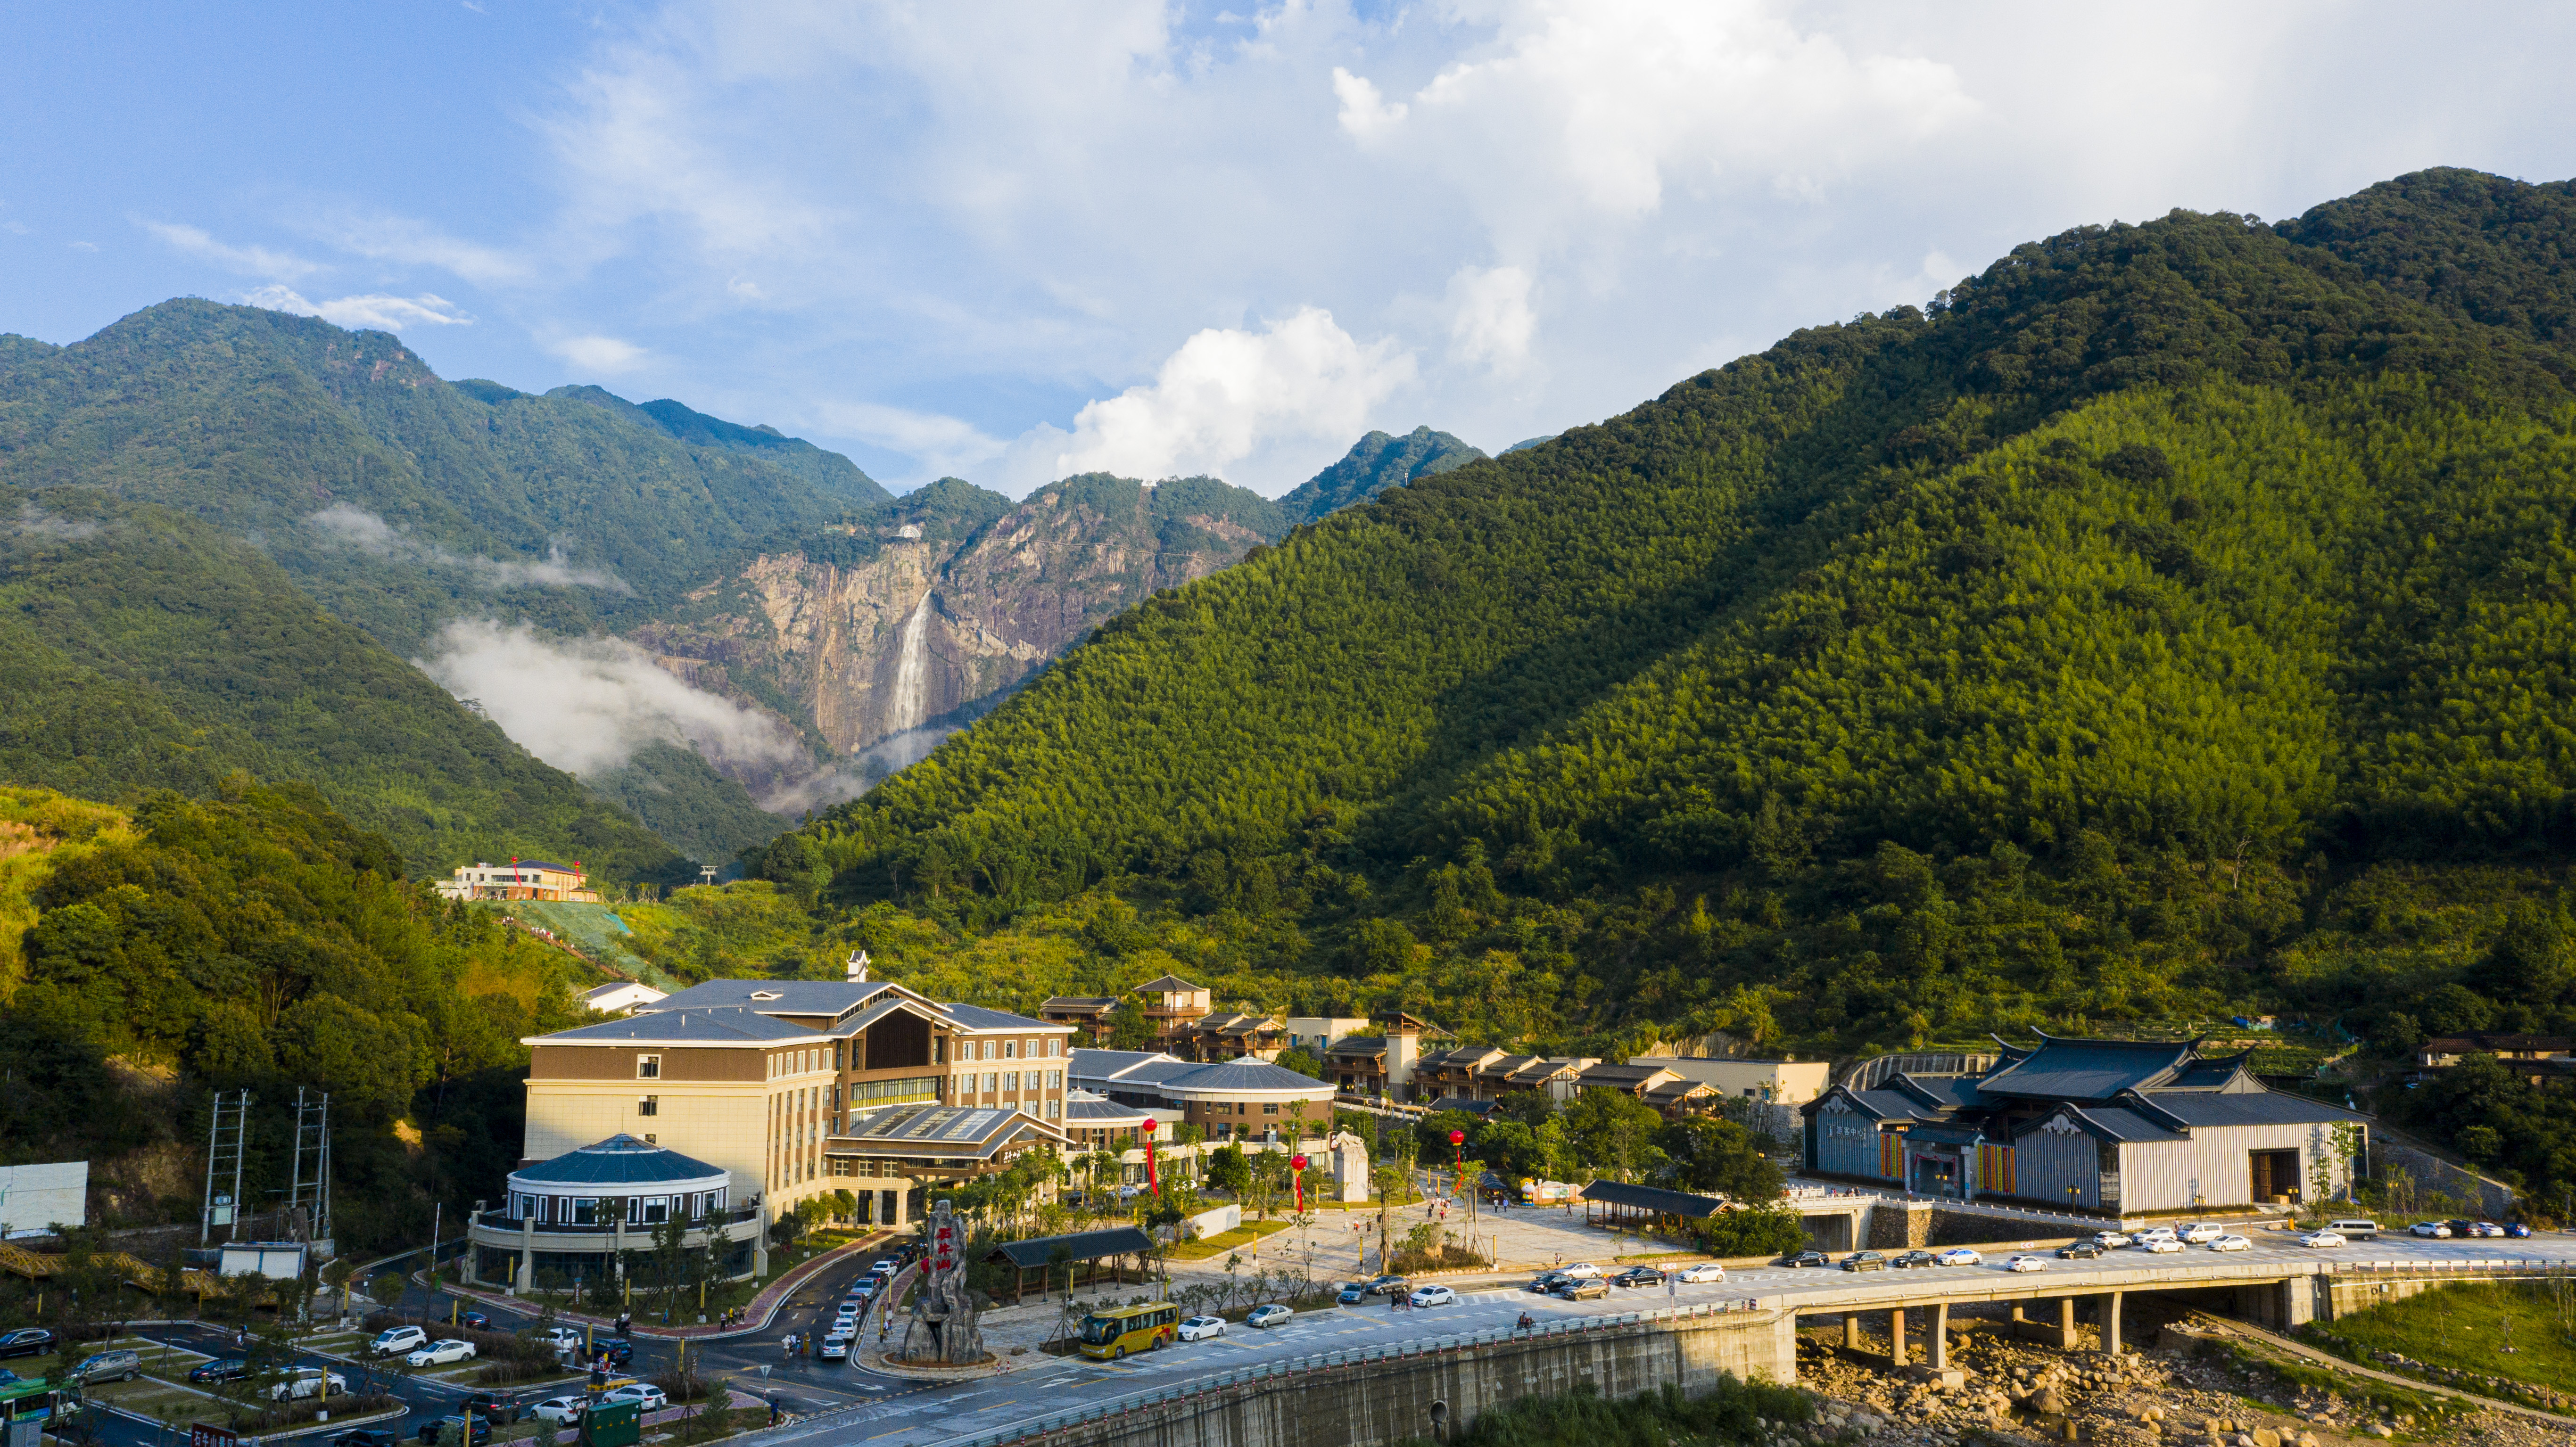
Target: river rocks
[2048,1403]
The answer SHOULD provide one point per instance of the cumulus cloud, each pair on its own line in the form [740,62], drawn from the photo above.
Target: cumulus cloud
[1226,392]
[249,260]
[1490,321]
[588,705]
[377,311]
[598,354]
[355,527]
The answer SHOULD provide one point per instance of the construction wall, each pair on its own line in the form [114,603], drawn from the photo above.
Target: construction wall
[35,1198]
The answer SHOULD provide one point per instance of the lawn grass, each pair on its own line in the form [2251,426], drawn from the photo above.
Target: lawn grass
[1234,1240]
[2466,1329]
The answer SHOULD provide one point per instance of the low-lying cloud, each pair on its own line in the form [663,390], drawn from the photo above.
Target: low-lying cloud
[35,522]
[589,705]
[375,310]
[355,527]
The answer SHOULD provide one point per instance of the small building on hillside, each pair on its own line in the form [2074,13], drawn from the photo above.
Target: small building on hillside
[1089,1014]
[1781,1082]
[2114,1126]
[534,879]
[620,997]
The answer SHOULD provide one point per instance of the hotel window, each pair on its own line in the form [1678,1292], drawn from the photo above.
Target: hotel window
[648,1105]
[1270,1108]
[840,1166]
[1010,1050]
[585,1211]
[648,1067]
[657,1209]
[1054,1048]
[1055,1080]
[1054,1108]
[989,1079]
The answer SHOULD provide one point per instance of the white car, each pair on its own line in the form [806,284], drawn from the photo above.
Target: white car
[1193,1328]
[559,1410]
[1960,1256]
[652,1397]
[2110,1240]
[2155,1233]
[1432,1296]
[2160,1245]
[2486,1228]
[562,1338]
[2026,1263]
[2200,1233]
[1580,1270]
[836,1346]
[2322,1238]
[2231,1243]
[1267,1316]
[303,1382]
[1703,1273]
[440,1353]
[393,1341]
[2431,1228]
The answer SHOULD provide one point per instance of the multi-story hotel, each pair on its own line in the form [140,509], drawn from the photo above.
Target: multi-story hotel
[791,1088]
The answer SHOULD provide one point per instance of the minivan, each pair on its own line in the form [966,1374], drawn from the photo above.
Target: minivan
[2355,1230]
[109,1367]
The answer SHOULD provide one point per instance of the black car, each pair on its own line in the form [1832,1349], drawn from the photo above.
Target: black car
[32,1341]
[224,1369]
[476,1320]
[1638,1276]
[2078,1251]
[499,1408]
[1806,1258]
[1389,1286]
[365,1437]
[1865,1261]
[1906,1260]
[474,1431]
[617,1352]
[1546,1282]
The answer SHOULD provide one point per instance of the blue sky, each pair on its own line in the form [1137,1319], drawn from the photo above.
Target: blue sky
[1008,241]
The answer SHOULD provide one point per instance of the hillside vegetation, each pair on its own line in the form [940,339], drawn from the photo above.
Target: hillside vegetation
[2170,621]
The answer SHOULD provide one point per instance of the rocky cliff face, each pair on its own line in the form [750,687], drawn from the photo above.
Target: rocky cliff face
[902,617]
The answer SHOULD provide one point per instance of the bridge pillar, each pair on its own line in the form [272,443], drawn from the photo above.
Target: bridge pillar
[2066,1323]
[1851,1331]
[2111,1322]
[1896,1337]
[2298,1301]
[1937,1350]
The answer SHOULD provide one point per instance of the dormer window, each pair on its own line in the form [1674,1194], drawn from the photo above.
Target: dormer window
[764,994]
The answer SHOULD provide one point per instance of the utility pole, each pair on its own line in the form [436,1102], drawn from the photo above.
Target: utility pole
[225,1138]
[311,1183]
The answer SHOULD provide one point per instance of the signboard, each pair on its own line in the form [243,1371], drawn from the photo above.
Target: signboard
[613,1424]
[206,1434]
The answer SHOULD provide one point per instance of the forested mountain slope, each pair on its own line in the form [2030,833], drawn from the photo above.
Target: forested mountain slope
[2170,621]
[1374,464]
[140,649]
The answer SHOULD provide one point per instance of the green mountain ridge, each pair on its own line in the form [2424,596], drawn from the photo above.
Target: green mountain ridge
[1374,464]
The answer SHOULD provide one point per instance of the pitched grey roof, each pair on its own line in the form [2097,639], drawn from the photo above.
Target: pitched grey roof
[976,1017]
[2093,1070]
[1100,1113]
[1946,1092]
[1166,984]
[1244,1075]
[1358,1045]
[1652,1198]
[1078,1002]
[620,1160]
[938,1131]
[789,997]
[1037,1251]
[727,1026]
[1894,1105]
[2263,1107]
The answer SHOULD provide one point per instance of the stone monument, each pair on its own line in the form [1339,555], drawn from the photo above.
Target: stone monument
[1349,1155]
[942,1331]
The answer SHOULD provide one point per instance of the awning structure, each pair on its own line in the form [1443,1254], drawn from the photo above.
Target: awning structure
[1617,1203]
[1070,1255]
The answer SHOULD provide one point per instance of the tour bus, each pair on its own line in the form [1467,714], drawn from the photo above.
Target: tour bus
[30,1411]
[1124,1329]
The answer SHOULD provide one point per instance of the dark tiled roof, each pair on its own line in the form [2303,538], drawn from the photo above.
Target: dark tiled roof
[2207,1074]
[620,1160]
[538,864]
[938,1130]
[787,997]
[1652,1198]
[1358,1045]
[1037,1251]
[1079,1002]
[1111,1064]
[1894,1105]
[1243,1075]
[976,1017]
[1678,1090]
[2257,1107]
[728,1026]
[1100,1114]
[1942,1092]
[2087,1069]
[1167,984]
[1462,1104]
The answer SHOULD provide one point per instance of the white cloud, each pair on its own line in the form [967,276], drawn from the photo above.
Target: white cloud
[83,245]
[1490,321]
[1365,113]
[588,705]
[249,260]
[384,313]
[598,354]
[1225,393]
[35,522]
[384,236]
[355,527]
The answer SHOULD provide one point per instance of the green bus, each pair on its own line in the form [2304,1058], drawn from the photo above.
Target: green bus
[30,1409]
[1120,1330]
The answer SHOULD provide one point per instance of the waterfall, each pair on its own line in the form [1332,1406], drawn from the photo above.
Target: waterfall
[911,673]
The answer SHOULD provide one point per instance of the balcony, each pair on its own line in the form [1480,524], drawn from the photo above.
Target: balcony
[504,1221]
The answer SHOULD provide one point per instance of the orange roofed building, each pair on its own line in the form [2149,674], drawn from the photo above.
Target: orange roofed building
[521,879]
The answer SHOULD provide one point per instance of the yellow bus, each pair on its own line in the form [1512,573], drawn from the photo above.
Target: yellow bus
[1120,1330]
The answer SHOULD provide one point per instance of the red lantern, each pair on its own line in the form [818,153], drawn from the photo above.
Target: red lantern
[1457,1137]
[1153,1181]
[1297,1167]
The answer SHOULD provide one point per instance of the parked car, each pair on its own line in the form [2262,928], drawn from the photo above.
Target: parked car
[1583,1288]
[1580,1268]
[836,1345]
[1703,1273]
[2078,1251]
[559,1410]
[2026,1263]
[472,1431]
[1546,1282]
[1910,1260]
[365,1437]
[2231,1243]
[2460,1227]
[1960,1256]
[2160,1245]
[499,1408]
[2200,1233]
[475,1319]
[2357,1229]
[2433,1229]
[1433,1295]
[884,1266]
[1269,1315]
[300,1383]
[618,1353]
[2516,1229]
[2155,1233]
[1352,1292]
[222,1369]
[650,1397]
[2110,1240]
[31,1341]
[1636,1276]
[2322,1238]
[1195,1327]
[439,1353]
[1389,1285]
[1806,1258]
[2485,1228]
[108,1367]
[393,1341]
[1865,1261]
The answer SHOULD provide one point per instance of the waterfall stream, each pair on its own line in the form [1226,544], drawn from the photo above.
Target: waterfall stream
[911,673]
